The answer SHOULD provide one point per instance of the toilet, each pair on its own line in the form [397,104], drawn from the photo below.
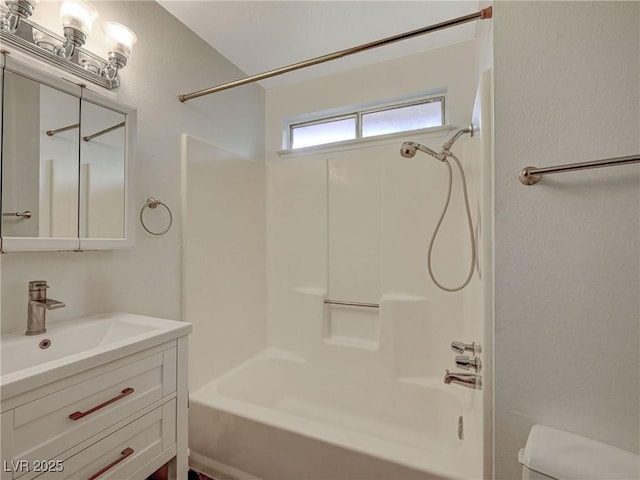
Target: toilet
[555,454]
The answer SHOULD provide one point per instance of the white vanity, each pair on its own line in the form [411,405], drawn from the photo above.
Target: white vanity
[95,398]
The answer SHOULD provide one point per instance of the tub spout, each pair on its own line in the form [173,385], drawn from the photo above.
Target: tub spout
[469,380]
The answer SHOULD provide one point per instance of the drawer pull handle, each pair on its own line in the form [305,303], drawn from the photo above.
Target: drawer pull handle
[124,454]
[78,415]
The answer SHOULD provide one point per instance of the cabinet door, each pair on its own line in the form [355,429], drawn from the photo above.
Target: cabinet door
[102,172]
[40,163]
[106,152]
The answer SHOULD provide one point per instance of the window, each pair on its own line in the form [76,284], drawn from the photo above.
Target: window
[371,122]
[324,131]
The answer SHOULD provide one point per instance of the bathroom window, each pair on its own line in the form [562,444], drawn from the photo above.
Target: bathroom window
[370,122]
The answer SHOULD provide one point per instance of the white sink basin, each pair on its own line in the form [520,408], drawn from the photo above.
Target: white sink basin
[78,344]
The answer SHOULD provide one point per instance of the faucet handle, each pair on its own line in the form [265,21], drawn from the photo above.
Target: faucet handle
[467,363]
[38,285]
[461,347]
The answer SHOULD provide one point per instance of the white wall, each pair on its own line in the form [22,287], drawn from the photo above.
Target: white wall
[167,60]
[567,281]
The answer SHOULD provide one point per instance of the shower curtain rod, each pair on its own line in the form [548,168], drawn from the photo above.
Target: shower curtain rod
[482,14]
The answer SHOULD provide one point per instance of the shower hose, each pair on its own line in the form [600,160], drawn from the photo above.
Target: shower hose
[469,223]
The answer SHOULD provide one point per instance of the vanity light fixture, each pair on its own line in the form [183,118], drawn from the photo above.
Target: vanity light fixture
[77,18]
[18,10]
[120,42]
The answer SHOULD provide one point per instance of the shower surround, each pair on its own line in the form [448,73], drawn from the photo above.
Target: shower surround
[335,391]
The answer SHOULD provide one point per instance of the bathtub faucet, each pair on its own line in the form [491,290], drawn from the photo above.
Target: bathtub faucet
[469,380]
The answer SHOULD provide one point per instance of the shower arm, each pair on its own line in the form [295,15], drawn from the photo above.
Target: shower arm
[447,146]
[483,14]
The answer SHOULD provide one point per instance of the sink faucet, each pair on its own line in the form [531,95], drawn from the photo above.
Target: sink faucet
[469,380]
[38,306]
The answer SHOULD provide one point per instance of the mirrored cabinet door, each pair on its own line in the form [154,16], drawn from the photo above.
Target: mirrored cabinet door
[102,172]
[40,160]
[66,159]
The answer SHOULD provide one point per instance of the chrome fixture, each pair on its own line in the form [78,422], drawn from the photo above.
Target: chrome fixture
[51,133]
[120,42]
[470,130]
[18,11]
[77,18]
[88,138]
[469,380]
[26,214]
[460,347]
[152,203]
[467,363]
[532,175]
[352,304]
[409,149]
[38,306]
[483,14]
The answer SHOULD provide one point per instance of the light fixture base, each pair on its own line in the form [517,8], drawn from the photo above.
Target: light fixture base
[117,60]
[21,8]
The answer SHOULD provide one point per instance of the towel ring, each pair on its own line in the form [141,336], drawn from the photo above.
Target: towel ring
[153,203]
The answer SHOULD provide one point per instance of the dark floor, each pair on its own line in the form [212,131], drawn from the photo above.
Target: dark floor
[193,475]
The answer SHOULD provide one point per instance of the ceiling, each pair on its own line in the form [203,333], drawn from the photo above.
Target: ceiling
[258,36]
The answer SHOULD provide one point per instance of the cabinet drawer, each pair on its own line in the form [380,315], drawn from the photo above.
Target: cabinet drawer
[46,427]
[124,452]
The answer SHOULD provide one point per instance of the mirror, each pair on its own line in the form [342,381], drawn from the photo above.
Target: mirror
[65,157]
[40,160]
[102,172]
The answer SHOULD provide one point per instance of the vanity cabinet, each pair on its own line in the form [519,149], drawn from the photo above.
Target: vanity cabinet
[123,419]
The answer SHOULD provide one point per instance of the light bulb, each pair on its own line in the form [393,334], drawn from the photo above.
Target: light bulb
[120,39]
[79,15]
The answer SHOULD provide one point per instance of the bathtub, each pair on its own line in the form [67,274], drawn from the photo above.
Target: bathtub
[279,417]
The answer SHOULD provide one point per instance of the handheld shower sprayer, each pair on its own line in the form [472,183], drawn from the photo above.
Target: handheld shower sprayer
[408,150]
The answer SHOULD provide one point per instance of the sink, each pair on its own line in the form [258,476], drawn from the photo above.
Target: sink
[75,345]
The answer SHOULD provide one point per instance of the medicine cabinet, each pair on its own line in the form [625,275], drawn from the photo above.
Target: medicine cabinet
[66,162]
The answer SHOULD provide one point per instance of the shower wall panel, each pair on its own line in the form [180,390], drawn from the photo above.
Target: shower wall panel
[223,258]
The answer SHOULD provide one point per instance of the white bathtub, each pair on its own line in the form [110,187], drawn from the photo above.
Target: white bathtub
[278,417]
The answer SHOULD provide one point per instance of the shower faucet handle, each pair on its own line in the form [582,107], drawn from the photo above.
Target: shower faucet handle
[466,363]
[460,347]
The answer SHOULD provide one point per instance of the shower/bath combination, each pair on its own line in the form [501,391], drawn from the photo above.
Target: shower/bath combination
[408,150]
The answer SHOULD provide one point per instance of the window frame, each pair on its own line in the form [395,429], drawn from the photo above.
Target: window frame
[358,114]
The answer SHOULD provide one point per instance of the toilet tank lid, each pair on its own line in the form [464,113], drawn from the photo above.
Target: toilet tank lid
[568,456]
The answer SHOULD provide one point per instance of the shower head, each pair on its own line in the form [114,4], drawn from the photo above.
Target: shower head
[409,149]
